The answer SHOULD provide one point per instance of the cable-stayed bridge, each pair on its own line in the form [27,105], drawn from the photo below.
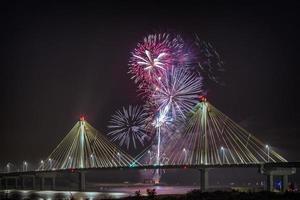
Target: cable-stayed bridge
[207,139]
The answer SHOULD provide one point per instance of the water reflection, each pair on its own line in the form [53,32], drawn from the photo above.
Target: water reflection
[51,195]
[111,193]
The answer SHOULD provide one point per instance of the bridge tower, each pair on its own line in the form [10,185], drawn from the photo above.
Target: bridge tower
[84,147]
[204,132]
[81,145]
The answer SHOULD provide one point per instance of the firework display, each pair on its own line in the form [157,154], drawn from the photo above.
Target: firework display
[177,93]
[162,67]
[128,126]
[154,56]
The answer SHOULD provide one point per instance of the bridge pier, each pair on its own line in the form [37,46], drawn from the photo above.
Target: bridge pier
[6,182]
[53,183]
[269,182]
[33,183]
[204,179]
[285,183]
[16,182]
[42,183]
[280,174]
[81,181]
[23,181]
[1,183]
[42,179]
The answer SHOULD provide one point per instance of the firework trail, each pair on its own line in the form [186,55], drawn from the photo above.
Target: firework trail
[128,126]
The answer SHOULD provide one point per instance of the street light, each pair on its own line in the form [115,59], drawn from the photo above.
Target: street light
[25,164]
[223,154]
[185,154]
[69,162]
[268,152]
[8,167]
[119,156]
[93,160]
[150,157]
[50,162]
[42,165]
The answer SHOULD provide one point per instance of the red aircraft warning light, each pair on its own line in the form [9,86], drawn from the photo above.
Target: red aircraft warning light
[203,98]
[81,118]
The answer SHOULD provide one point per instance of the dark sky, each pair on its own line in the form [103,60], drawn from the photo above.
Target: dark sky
[61,60]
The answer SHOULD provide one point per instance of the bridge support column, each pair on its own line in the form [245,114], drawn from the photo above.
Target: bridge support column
[285,182]
[16,182]
[22,182]
[13,182]
[33,182]
[269,182]
[1,183]
[42,176]
[6,183]
[204,179]
[82,181]
[53,183]
[42,183]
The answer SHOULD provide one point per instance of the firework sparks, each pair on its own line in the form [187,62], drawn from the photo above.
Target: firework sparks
[128,126]
[209,61]
[149,63]
[176,94]
[155,55]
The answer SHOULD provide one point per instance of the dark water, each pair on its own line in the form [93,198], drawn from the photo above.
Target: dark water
[113,193]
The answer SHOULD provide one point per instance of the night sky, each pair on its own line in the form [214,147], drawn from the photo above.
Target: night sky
[61,60]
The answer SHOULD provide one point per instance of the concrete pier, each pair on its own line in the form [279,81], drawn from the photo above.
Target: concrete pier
[204,179]
[53,183]
[23,181]
[42,183]
[42,177]
[82,181]
[6,184]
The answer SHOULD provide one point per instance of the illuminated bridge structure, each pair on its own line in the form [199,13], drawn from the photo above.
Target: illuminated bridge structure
[208,139]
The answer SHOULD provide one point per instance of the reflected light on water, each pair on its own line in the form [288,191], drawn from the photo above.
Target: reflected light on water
[51,195]
[112,193]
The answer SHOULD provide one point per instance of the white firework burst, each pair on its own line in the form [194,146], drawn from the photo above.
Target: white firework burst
[151,62]
[176,94]
[128,126]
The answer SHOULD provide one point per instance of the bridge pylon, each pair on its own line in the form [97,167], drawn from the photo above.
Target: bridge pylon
[209,137]
[85,147]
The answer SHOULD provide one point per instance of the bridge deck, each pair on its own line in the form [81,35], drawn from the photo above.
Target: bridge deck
[257,165]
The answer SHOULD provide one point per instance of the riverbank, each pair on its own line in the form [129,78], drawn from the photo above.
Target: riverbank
[220,195]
